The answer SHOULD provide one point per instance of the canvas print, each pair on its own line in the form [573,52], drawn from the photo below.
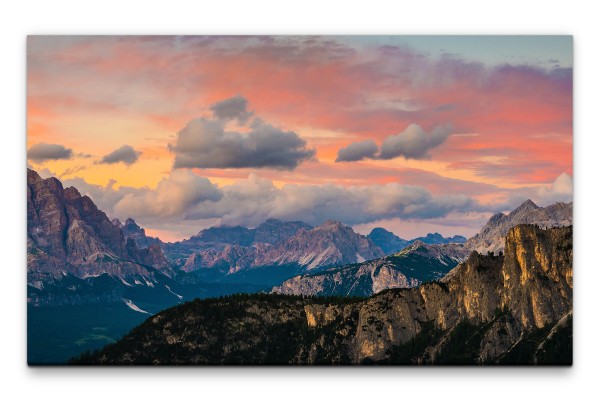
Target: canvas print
[299,200]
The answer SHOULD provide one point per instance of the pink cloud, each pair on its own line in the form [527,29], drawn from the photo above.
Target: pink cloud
[522,115]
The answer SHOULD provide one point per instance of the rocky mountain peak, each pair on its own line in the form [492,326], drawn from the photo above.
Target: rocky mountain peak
[329,244]
[416,244]
[130,222]
[273,230]
[380,231]
[131,227]
[32,176]
[387,240]
[525,206]
[435,237]
[496,218]
[331,225]
[70,234]
[71,193]
[133,231]
[491,236]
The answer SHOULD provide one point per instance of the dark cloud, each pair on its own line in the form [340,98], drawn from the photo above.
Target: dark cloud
[357,151]
[445,107]
[414,142]
[41,152]
[204,143]
[125,154]
[234,108]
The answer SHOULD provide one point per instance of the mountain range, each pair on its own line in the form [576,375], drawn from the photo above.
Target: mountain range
[112,275]
[73,246]
[515,308]
[417,263]
[308,248]
[390,243]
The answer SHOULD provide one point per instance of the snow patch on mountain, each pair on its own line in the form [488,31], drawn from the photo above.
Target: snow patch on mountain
[134,307]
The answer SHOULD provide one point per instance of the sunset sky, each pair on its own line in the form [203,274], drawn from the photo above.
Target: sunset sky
[415,134]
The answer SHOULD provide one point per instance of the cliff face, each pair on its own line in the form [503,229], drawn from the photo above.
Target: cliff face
[61,222]
[68,235]
[532,284]
[489,309]
[537,275]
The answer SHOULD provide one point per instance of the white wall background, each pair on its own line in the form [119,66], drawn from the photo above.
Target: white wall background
[20,18]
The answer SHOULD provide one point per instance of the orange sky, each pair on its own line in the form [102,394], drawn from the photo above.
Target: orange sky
[511,125]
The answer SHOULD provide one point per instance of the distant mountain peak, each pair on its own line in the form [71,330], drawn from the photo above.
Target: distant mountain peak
[391,244]
[130,221]
[437,238]
[528,204]
[331,243]
[333,225]
[71,193]
[434,236]
[491,236]
[495,218]
[416,244]
[380,230]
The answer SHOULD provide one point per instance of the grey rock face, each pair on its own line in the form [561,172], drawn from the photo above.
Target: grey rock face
[273,231]
[68,235]
[330,244]
[211,241]
[491,236]
[416,264]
